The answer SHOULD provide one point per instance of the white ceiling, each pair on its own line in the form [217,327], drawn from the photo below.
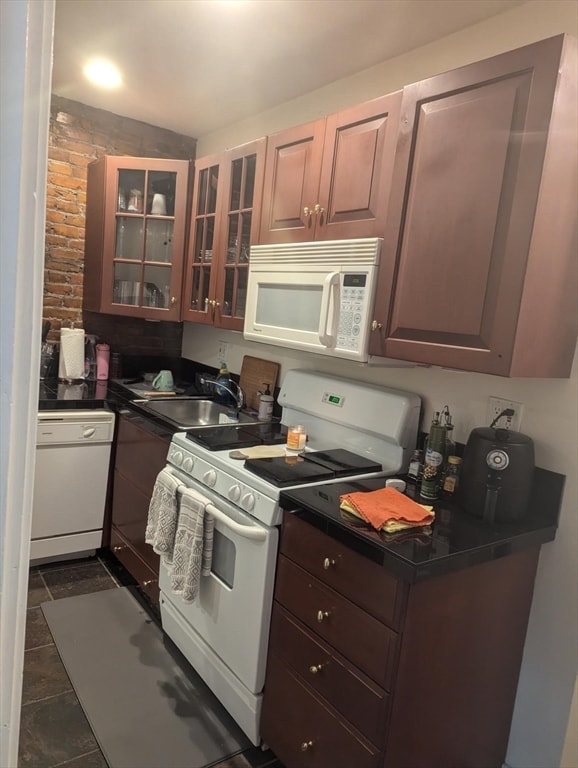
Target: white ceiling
[196,66]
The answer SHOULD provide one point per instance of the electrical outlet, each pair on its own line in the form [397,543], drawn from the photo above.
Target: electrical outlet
[496,405]
[223,352]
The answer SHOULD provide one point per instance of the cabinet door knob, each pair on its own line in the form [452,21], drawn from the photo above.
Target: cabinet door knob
[148,582]
[119,548]
[173,300]
[321,615]
[306,745]
[307,212]
[327,563]
[375,326]
[315,669]
[319,211]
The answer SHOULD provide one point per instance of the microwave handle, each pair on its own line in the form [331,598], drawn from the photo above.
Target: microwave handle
[330,289]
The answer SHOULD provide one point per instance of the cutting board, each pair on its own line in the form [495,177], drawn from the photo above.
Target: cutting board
[258,452]
[255,373]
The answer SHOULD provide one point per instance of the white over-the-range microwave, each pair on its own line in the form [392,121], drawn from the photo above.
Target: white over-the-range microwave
[315,296]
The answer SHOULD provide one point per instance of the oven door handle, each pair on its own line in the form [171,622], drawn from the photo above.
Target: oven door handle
[246,531]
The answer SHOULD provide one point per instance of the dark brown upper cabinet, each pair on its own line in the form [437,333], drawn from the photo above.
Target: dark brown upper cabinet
[478,268]
[225,221]
[136,213]
[330,179]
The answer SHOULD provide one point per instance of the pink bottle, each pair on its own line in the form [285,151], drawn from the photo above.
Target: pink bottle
[102,358]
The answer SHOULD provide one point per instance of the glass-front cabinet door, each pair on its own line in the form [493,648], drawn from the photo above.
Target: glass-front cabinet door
[224,223]
[143,229]
[199,303]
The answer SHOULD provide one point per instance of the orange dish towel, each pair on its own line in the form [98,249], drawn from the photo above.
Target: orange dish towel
[387,509]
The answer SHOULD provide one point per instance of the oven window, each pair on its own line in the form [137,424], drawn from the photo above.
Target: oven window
[289,306]
[224,557]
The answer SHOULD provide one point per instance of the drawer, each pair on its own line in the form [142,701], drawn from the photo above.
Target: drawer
[349,691]
[366,642]
[364,582]
[305,734]
[129,514]
[147,579]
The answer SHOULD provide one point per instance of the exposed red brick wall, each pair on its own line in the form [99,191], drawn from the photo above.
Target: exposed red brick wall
[78,135]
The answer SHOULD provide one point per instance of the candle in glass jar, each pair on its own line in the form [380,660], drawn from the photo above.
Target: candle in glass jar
[296,438]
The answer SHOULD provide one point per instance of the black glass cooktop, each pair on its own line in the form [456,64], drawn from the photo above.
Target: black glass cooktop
[316,466]
[239,436]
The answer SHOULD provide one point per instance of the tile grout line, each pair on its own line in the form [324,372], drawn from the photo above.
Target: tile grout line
[84,754]
[52,696]
[112,576]
[45,586]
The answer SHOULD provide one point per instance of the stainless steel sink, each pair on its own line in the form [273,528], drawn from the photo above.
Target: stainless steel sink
[188,414]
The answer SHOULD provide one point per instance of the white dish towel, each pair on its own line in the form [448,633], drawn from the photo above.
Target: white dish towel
[193,545]
[163,515]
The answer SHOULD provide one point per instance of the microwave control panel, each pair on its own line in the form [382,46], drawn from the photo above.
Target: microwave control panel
[352,311]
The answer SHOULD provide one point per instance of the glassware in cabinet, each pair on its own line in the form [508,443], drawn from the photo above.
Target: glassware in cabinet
[135,236]
[226,205]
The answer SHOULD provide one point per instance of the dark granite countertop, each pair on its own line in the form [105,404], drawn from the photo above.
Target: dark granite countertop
[457,540]
[94,395]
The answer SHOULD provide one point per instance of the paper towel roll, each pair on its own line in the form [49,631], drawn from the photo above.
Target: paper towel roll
[71,360]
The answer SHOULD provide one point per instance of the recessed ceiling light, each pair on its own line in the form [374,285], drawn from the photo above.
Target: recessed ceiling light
[103,73]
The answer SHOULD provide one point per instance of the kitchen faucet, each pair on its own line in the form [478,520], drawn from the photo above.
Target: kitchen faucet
[238,396]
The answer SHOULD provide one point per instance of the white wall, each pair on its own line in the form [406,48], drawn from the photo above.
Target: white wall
[541,723]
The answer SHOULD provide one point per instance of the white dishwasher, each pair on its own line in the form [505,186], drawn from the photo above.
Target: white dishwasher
[70,483]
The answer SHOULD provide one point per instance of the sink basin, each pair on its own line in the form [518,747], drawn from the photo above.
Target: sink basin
[188,414]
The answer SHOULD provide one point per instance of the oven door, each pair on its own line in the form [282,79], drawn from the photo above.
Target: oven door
[232,611]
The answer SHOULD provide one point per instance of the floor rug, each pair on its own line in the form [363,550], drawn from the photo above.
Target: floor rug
[147,709]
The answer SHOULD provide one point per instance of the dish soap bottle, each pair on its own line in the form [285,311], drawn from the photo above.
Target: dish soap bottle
[265,404]
[221,393]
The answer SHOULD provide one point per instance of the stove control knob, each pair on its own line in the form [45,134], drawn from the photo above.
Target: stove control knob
[248,502]
[177,458]
[234,493]
[188,464]
[210,478]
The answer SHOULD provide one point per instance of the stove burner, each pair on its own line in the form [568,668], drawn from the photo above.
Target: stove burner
[239,436]
[316,466]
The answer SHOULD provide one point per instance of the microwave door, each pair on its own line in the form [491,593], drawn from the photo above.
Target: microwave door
[293,308]
[329,304]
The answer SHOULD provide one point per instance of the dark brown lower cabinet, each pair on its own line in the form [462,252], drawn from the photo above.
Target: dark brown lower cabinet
[432,686]
[140,456]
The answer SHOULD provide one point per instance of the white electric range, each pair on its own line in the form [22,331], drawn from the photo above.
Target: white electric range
[354,430]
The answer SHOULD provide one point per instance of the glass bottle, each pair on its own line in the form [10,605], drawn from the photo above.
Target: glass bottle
[451,478]
[435,453]
[415,469]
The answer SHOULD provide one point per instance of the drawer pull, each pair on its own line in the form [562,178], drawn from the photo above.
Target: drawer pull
[322,615]
[148,582]
[119,548]
[327,563]
[315,669]
[306,745]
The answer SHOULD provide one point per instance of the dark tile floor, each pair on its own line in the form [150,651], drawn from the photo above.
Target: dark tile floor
[53,730]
